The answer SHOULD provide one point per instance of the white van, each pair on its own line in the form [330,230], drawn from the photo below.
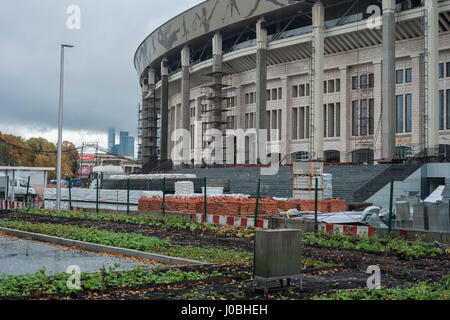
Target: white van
[20,188]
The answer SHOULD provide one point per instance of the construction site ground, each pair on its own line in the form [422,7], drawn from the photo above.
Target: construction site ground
[348,268]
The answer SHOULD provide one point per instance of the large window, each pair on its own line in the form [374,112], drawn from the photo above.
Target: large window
[371,80]
[294,123]
[399,114]
[364,81]
[371,115]
[363,131]
[355,118]
[338,85]
[355,82]
[441,70]
[408,113]
[448,108]
[338,119]
[331,120]
[300,122]
[399,76]
[408,75]
[441,109]
[294,91]
[448,69]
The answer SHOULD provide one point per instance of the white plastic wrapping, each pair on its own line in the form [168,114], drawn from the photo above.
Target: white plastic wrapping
[105,195]
[184,187]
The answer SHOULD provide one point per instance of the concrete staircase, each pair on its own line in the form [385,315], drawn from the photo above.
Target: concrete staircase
[347,179]
[398,172]
[245,180]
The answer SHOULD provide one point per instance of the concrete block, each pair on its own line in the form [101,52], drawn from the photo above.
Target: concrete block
[277,253]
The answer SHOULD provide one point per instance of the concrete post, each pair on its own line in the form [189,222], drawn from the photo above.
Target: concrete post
[185,87]
[318,13]
[164,108]
[388,114]
[432,80]
[261,79]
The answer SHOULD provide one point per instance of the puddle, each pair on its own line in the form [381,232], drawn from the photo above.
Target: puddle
[18,256]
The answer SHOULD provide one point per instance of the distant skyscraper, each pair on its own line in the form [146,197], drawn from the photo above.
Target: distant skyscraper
[126,144]
[111,139]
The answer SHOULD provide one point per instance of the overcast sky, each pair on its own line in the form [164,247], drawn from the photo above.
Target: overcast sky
[101,84]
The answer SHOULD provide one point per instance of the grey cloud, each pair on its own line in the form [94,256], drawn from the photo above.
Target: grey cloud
[101,85]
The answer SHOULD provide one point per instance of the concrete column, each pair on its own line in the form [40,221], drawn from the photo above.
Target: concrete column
[318,13]
[217,80]
[286,119]
[346,114]
[261,78]
[432,80]
[388,113]
[164,108]
[217,74]
[198,133]
[185,87]
[377,96]
[417,133]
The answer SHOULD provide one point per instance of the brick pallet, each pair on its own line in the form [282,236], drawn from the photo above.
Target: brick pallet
[224,205]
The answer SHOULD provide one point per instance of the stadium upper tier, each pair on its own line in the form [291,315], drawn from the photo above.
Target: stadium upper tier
[236,19]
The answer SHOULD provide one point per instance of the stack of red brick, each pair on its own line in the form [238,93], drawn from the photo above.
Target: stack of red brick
[223,205]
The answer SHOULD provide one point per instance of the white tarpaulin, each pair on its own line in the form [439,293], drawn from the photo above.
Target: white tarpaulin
[109,169]
[436,195]
[105,195]
[51,204]
[153,176]
[334,217]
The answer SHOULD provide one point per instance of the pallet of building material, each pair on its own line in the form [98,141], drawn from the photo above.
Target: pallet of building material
[184,187]
[308,168]
[309,194]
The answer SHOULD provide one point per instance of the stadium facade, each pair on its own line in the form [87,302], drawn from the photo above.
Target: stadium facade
[337,80]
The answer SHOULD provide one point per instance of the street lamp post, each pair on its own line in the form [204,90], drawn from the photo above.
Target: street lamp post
[60,123]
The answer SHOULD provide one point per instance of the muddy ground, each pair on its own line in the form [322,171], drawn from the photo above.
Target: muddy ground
[236,282]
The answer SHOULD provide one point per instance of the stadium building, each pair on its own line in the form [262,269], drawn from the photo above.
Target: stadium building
[332,80]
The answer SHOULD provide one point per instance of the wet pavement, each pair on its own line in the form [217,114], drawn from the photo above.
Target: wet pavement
[18,256]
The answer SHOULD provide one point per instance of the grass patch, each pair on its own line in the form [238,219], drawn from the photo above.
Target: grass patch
[133,241]
[422,291]
[42,283]
[400,247]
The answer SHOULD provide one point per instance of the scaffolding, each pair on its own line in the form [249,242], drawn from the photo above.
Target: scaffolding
[139,131]
[150,129]
[213,117]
